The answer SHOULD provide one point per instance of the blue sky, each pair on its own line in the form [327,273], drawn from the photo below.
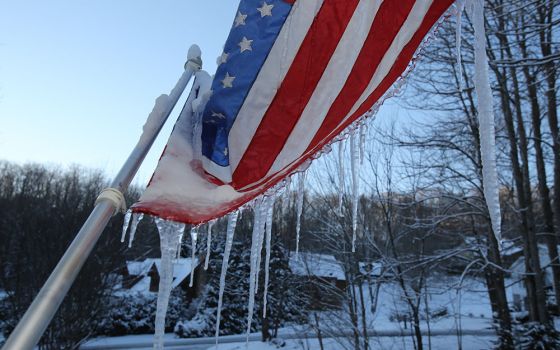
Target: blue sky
[78,78]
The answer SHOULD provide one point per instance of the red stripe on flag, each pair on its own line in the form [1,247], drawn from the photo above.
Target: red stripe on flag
[387,24]
[295,91]
[342,107]
[399,66]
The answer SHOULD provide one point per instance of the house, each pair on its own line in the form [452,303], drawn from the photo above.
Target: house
[375,270]
[143,276]
[322,279]
[516,292]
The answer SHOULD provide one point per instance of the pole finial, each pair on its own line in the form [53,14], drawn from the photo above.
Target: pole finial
[194,58]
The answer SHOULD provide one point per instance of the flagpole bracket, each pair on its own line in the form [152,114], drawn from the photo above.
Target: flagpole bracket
[114,196]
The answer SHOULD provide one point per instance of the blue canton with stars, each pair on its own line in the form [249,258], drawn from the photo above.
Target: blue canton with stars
[255,29]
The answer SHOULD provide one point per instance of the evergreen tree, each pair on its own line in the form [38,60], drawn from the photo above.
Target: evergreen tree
[283,305]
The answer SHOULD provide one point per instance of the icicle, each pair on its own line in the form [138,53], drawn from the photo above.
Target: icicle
[287,194]
[208,244]
[232,222]
[269,213]
[253,264]
[354,155]
[169,233]
[267,205]
[340,176]
[126,222]
[180,245]
[136,218]
[300,193]
[363,131]
[262,221]
[194,236]
[486,120]
[460,7]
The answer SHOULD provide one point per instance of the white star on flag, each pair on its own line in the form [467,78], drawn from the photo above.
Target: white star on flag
[219,115]
[245,44]
[227,82]
[240,19]
[223,58]
[265,10]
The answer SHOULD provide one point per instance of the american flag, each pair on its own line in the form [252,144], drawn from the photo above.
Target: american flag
[293,75]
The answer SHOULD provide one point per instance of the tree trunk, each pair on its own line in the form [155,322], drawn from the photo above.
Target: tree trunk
[497,293]
[534,280]
[417,330]
[545,13]
[544,192]
[364,316]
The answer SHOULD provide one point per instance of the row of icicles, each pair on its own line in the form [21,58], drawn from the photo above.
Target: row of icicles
[171,235]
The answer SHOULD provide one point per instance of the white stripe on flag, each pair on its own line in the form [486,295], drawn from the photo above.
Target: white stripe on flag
[407,31]
[272,73]
[330,85]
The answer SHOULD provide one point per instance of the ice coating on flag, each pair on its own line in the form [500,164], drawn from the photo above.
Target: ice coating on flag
[292,77]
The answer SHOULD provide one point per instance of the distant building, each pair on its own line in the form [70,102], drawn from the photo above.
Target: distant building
[511,252]
[322,279]
[143,276]
[375,270]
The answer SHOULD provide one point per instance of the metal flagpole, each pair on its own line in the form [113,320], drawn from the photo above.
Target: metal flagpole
[36,319]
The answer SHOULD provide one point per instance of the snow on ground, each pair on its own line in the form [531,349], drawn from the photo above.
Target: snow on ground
[469,342]
[382,343]
[466,308]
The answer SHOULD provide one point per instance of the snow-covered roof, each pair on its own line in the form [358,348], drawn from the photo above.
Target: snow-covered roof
[320,265]
[518,267]
[370,268]
[181,270]
[509,247]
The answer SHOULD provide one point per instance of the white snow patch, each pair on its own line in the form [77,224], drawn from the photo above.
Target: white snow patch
[320,265]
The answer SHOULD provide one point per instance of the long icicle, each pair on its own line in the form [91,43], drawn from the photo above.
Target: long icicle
[180,244]
[363,133]
[126,222]
[136,218]
[354,165]
[253,263]
[300,195]
[232,222]
[458,31]
[270,211]
[169,233]
[486,120]
[262,222]
[340,176]
[208,244]
[194,237]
